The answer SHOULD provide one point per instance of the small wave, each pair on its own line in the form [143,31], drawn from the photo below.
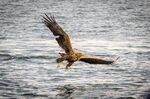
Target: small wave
[126,98]
[6,57]
[33,57]
[2,37]
[33,95]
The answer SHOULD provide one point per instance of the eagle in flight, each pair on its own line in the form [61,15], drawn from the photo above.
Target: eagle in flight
[63,40]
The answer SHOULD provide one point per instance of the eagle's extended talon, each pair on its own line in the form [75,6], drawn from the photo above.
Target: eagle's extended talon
[68,68]
[58,65]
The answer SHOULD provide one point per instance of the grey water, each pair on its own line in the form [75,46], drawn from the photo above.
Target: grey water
[107,28]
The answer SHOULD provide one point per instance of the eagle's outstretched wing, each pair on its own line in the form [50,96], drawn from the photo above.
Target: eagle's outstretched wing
[95,60]
[63,38]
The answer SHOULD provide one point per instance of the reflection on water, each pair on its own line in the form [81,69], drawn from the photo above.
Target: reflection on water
[107,28]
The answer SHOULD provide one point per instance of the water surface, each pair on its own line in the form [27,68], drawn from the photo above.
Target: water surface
[107,28]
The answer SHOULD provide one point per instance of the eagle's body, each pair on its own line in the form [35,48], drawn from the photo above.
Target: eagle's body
[64,42]
[71,58]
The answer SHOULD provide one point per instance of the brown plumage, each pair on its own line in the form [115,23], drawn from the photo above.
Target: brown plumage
[64,42]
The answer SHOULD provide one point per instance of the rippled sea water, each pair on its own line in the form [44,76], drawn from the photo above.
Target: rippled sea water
[107,28]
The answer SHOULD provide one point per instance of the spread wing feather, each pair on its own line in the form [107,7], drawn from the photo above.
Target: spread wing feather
[63,38]
[95,60]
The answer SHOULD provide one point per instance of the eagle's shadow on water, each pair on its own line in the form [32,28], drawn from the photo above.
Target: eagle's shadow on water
[67,91]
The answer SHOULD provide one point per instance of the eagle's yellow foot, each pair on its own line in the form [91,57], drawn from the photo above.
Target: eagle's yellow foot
[68,68]
[58,65]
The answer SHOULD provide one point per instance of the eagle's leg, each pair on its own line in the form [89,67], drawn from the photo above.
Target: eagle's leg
[63,57]
[59,60]
[69,65]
